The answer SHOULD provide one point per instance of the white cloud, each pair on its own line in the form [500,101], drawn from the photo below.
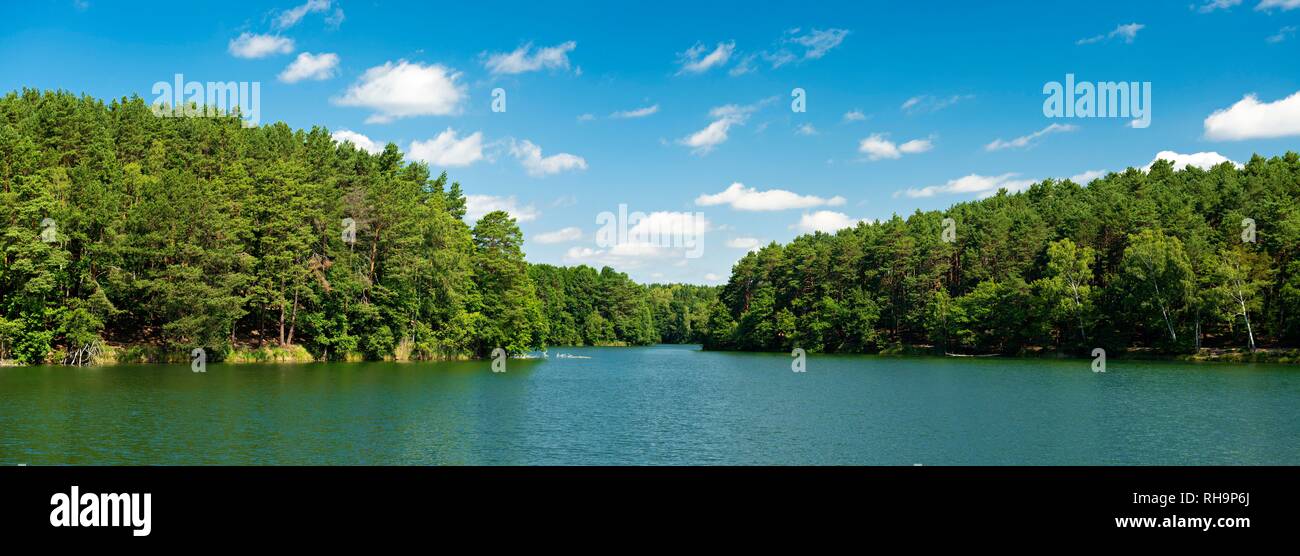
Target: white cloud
[826,221]
[249,45]
[530,156]
[745,65]
[1284,5]
[712,277]
[743,243]
[984,186]
[292,16]
[586,117]
[1027,140]
[815,44]
[1282,35]
[317,67]
[916,146]
[819,42]
[704,140]
[716,133]
[1085,178]
[636,113]
[877,147]
[779,58]
[522,60]
[668,224]
[854,116]
[1217,5]
[931,103]
[1251,119]
[698,58]
[561,235]
[578,254]
[739,197]
[478,205]
[361,141]
[1204,160]
[406,89]
[1127,32]
[656,236]
[805,129]
[446,150]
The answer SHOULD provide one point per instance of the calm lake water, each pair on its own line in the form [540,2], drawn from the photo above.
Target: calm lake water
[656,405]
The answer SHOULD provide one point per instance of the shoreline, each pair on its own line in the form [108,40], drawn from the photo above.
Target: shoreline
[145,354]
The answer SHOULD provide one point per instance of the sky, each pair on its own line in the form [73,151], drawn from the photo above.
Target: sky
[727,124]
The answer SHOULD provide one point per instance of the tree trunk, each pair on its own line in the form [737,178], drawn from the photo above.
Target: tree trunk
[1249,333]
[293,318]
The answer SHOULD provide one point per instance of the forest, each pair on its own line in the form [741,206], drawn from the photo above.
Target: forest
[1157,260]
[125,229]
[120,228]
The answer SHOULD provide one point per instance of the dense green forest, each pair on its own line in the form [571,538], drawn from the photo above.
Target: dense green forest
[122,228]
[1159,260]
[125,229]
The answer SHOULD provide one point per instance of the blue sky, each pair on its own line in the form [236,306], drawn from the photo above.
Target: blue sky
[935,84]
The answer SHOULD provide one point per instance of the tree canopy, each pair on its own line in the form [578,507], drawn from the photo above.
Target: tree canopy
[118,226]
[1153,259]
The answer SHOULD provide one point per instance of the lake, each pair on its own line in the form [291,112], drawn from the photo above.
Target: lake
[656,405]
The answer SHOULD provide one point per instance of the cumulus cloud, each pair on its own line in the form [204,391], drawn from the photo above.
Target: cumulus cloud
[739,197]
[983,186]
[667,224]
[524,59]
[316,67]
[249,45]
[405,89]
[650,237]
[854,116]
[877,147]
[805,129]
[448,150]
[530,156]
[699,59]
[635,113]
[1203,160]
[826,221]
[361,141]
[1126,32]
[561,235]
[1027,140]
[1251,119]
[478,205]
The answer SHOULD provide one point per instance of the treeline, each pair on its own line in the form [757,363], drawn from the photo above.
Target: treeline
[1165,260]
[586,307]
[121,227]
